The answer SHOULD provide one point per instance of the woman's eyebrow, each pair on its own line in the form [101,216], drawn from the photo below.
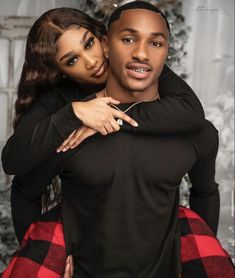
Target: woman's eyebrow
[84,37]
[70,53]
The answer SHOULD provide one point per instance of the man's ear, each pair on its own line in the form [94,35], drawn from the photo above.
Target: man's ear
[104,42]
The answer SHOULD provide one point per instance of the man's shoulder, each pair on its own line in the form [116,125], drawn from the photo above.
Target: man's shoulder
[208,129]
[206,139]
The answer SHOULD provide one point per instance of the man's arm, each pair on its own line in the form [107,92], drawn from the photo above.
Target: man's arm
[204,193]
[178,110]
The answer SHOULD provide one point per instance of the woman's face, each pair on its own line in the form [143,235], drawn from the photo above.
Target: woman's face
[80,56]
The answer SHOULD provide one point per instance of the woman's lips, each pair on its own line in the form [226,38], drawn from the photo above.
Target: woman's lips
[100,70]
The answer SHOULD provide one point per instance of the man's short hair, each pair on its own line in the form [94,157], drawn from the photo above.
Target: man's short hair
[133,6]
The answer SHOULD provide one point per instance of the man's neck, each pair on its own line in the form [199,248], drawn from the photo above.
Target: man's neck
[118,92]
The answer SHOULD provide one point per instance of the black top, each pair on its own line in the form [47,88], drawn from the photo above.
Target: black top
[43,128]
[51,119]
[120,197]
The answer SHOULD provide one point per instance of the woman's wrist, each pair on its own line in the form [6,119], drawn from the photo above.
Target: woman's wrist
[78,109]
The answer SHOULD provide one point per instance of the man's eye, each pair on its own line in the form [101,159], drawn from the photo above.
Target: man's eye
[128,40]
[156,44]
[72,61]
[89,43]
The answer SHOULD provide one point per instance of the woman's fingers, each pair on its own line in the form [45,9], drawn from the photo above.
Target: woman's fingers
[59,149]
[80,135]
[108,127]
[110,100]
[70,140]
[86,132]
[124,117]
[115,125]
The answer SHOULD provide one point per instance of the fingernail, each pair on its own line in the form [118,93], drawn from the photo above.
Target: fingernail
[136,124]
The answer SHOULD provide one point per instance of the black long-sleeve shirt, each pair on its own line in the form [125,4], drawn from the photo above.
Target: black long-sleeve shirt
[48,123]
[120,197]
[51,119]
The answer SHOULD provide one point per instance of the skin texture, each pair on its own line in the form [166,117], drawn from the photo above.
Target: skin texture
[80,56]
[136,45]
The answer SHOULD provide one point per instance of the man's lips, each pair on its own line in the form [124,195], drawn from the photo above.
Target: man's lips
[138,71]
[99,70]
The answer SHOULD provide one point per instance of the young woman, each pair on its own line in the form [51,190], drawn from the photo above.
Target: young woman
[48,118]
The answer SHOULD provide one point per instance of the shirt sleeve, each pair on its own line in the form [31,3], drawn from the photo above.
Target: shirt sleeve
[39,133]
[204,196]
[26,191]
[177,111]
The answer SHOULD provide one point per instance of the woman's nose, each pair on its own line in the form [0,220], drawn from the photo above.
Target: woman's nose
[91,62]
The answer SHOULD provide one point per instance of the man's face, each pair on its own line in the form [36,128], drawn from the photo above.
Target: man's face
[137,46]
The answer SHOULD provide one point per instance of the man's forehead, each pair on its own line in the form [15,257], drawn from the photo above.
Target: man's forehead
[137,16]
[137,12]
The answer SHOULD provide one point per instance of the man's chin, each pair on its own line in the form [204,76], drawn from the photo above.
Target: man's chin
[138,87]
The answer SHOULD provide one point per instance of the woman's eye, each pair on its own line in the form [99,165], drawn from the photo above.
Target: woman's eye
[89,43]
[72,61]
[128,40]
[157,44]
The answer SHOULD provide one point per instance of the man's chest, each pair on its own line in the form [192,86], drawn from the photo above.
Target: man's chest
[127,156]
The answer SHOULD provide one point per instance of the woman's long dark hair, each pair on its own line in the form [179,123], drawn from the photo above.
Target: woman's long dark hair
[39,69]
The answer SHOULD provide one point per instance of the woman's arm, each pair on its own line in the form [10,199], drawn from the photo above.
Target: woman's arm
[49,122]
[47,125]
[177,111]
[204,196]
[27,190]
[38,134]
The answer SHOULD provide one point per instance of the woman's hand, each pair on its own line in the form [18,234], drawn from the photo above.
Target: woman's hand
[98,115]
[68,272]
[76,138]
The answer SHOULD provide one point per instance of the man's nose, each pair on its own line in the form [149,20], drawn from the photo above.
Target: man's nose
[140,52]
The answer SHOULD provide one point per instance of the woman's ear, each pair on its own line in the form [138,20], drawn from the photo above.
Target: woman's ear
[104,42]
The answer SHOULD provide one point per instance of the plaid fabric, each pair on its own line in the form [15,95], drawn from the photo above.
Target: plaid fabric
[202,255]
[42,252]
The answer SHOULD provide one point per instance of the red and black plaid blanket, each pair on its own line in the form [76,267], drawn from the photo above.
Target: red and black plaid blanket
[42,252]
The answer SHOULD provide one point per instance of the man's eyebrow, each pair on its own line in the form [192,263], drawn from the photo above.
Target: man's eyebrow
[155,34]
[128,30]
[159,34]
